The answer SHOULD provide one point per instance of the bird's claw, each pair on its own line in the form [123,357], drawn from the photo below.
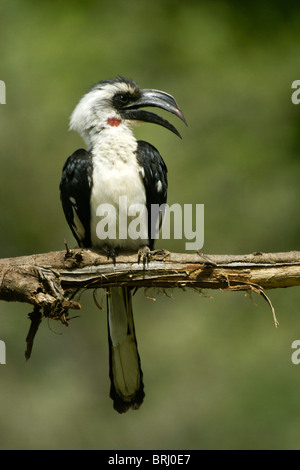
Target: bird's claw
[111,253]
[144,253]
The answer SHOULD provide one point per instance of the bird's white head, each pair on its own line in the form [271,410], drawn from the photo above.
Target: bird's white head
[118,102]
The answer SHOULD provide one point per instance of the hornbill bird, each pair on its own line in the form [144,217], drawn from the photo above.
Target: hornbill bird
[116,164]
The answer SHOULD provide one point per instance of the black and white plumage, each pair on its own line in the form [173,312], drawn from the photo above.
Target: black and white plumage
[116,164]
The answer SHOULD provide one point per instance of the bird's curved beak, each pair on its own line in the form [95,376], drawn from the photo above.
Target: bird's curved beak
[157,99]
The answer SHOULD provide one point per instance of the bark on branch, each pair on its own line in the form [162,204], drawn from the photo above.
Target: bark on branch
[46,280]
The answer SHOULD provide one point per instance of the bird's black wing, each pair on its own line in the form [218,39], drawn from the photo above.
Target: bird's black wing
[153,172]
[75,190]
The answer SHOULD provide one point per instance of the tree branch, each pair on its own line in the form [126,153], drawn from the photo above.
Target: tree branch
[46,280]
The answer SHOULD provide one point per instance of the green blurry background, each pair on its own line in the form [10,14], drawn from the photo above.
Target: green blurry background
[217,372]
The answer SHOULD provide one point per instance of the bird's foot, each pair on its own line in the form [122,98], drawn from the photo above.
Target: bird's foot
[144,254]
[111,253]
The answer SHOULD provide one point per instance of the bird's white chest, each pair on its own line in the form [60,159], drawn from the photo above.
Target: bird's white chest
[117,190]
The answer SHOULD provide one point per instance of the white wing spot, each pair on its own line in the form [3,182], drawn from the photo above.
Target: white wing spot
[159,186]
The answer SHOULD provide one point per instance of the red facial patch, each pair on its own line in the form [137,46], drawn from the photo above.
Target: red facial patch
[114,122]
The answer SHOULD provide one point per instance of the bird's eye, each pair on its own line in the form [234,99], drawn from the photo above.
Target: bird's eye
[121,99]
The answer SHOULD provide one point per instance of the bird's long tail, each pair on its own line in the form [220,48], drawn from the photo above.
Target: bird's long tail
[127,388]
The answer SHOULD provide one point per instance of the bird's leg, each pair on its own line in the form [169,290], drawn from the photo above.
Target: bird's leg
[144,253]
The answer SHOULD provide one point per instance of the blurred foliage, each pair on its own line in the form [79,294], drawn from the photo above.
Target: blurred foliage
[217,373]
